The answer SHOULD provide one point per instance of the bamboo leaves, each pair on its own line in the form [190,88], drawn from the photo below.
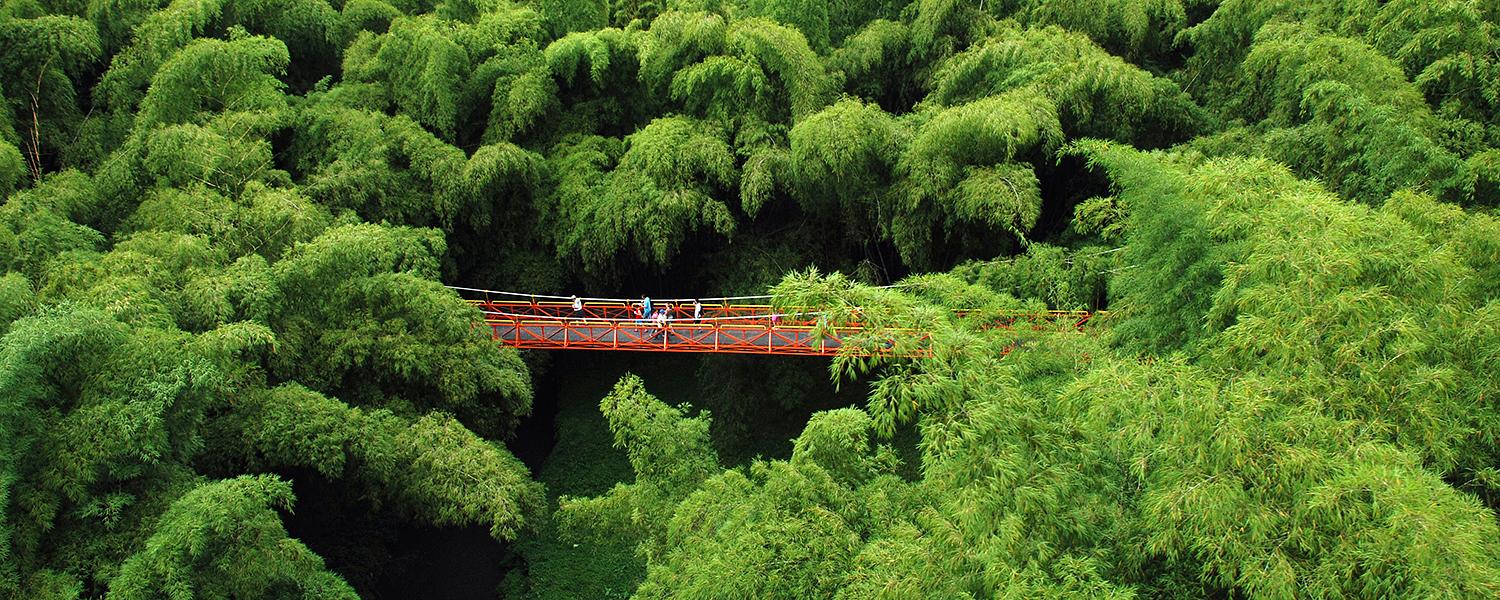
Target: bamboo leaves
[670,455]
[662,189]
[222,227]
[225,539]
[946,170]
[432,468]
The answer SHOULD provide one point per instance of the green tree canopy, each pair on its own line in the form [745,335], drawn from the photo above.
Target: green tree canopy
[227,231]
[225,540]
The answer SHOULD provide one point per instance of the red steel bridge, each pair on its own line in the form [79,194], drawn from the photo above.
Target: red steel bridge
[734,325]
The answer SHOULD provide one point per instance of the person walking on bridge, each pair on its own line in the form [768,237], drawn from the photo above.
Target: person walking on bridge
[646,307]
[697,310]
[658,324]
[577,304]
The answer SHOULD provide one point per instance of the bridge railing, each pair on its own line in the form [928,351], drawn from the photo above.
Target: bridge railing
[688,336]
[614,324]
[618,310]
[748,312]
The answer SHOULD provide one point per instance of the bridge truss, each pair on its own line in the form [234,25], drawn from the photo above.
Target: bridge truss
[722,325]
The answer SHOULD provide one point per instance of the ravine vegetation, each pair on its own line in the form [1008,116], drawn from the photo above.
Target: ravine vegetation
[227,225]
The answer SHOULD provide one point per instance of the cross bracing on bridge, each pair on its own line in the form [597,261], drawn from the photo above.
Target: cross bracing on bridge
[618,325]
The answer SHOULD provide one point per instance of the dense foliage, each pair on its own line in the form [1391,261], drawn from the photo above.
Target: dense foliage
[226,225]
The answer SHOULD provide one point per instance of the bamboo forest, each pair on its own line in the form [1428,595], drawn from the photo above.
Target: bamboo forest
[845,299]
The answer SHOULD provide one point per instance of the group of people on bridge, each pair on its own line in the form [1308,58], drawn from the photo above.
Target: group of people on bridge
[660,318]
[644,312]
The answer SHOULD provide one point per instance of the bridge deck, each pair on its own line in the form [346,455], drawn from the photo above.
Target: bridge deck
[568,334]
[720,328]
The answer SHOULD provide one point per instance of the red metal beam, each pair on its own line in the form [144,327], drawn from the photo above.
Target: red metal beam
[739,329]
